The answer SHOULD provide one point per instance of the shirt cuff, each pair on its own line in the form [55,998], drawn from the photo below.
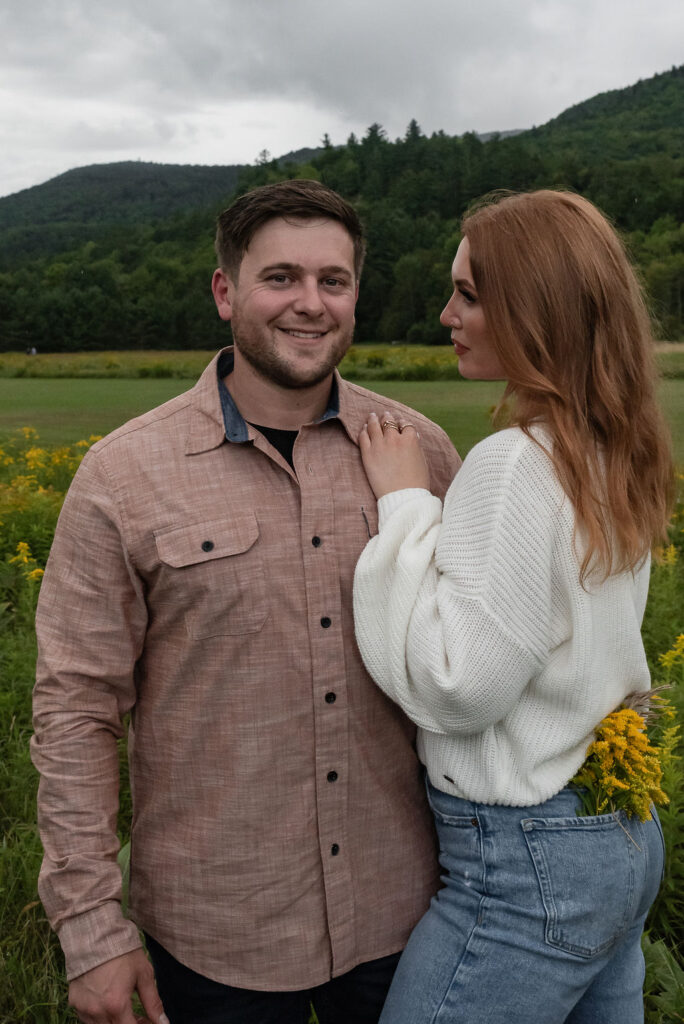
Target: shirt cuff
[389,503]
[91,939]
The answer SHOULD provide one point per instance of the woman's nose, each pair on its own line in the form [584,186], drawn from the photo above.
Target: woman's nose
[449,317]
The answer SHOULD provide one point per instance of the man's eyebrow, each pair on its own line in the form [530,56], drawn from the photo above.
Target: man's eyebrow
[337,270]
[333,269]
[280,266]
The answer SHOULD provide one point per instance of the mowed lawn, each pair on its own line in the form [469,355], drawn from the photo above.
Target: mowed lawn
[65,410]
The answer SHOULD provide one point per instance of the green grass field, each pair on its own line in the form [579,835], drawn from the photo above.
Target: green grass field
[64,410]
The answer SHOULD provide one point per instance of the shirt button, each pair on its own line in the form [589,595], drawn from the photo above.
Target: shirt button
[207,545]
[316,541]
[326,622]
[330,698]
[334,849]
[332,776]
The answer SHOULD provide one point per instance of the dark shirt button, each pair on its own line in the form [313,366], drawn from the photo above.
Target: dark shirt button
[207,545]
[330,698]
[316,541]
[326,622]
[332,776]
[334,849]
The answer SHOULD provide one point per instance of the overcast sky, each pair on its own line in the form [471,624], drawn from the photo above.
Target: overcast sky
[205,82]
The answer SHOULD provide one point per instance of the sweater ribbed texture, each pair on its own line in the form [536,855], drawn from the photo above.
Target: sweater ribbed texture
[473,619]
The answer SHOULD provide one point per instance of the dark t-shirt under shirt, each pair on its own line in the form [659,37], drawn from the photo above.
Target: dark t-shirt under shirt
[282,440]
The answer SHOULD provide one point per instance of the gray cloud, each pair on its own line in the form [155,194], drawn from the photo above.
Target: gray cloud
[181,82]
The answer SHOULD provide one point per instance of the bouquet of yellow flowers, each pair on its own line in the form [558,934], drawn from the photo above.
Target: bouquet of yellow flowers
[623,768]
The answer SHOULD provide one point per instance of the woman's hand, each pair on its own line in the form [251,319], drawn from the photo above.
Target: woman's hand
[392,456]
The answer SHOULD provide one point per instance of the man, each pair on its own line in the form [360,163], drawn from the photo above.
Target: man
[201,578]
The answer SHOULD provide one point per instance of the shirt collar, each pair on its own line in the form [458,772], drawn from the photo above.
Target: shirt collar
[236,429]
[215,415]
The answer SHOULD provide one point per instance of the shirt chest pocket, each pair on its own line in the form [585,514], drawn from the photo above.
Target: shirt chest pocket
[213,573]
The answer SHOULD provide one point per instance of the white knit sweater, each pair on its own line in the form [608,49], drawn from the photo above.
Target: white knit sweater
[474,621]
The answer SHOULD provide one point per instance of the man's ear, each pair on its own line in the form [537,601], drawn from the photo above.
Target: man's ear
[222,289]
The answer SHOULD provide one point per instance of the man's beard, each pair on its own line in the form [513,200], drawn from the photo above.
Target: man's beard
[263,357]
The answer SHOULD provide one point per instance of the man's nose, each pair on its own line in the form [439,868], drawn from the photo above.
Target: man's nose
[308,298]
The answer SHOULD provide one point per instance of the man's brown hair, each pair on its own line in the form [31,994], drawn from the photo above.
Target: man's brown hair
[301,198]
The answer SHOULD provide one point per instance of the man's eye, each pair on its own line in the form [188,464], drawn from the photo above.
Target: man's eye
[278,278]
[332,282]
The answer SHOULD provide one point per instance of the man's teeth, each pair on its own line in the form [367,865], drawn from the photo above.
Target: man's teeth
[304,334]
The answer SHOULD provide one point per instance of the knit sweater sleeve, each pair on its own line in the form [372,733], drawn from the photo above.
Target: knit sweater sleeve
[452,608]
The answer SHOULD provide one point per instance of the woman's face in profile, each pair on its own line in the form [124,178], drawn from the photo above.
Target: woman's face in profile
[463,314]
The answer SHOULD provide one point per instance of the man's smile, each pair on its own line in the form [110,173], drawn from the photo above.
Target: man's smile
[306,335]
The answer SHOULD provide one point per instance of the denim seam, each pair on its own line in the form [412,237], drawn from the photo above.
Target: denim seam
[438,1014]
[662,840]
[477,924]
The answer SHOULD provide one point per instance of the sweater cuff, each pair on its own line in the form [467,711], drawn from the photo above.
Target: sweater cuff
[390,502]
[98,935]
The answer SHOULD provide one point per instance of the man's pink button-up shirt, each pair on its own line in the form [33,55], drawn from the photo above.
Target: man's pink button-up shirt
[280,833]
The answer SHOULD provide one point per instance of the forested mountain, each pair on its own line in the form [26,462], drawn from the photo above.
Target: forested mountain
[119,256]
[643,119]
[116,193]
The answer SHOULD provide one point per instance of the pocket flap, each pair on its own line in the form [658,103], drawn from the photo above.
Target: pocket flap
[201,542]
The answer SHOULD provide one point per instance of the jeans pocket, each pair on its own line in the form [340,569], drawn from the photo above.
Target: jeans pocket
[585,867]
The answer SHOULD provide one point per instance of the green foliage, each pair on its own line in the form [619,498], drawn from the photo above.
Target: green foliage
[664,985]
[367,362]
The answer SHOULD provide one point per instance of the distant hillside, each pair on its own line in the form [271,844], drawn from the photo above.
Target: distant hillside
[118,192]
[643,119]
[131,190]
[120,255]
[87,202]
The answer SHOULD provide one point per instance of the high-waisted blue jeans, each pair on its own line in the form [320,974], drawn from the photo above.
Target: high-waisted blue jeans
[539,920]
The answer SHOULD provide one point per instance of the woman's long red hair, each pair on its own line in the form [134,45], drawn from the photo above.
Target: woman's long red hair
[566,315]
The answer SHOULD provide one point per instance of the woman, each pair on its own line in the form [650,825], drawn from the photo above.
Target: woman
[507,625]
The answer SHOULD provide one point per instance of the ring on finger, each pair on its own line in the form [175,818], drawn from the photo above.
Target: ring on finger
[405,426]
[390,425]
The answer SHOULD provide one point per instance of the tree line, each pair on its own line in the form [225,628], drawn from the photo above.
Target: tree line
[144,282]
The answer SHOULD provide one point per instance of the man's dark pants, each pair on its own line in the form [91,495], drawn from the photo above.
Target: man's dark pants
[189,998]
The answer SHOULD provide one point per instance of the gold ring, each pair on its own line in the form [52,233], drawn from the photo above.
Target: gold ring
[405,426]
[391,425]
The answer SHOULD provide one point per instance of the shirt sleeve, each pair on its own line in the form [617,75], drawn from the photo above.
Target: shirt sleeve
[452,606]
[90,622]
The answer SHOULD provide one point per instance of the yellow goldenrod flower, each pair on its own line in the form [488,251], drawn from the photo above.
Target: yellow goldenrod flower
[36,458]
[622,770]
[675,655]
[671,555]
[23,554]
